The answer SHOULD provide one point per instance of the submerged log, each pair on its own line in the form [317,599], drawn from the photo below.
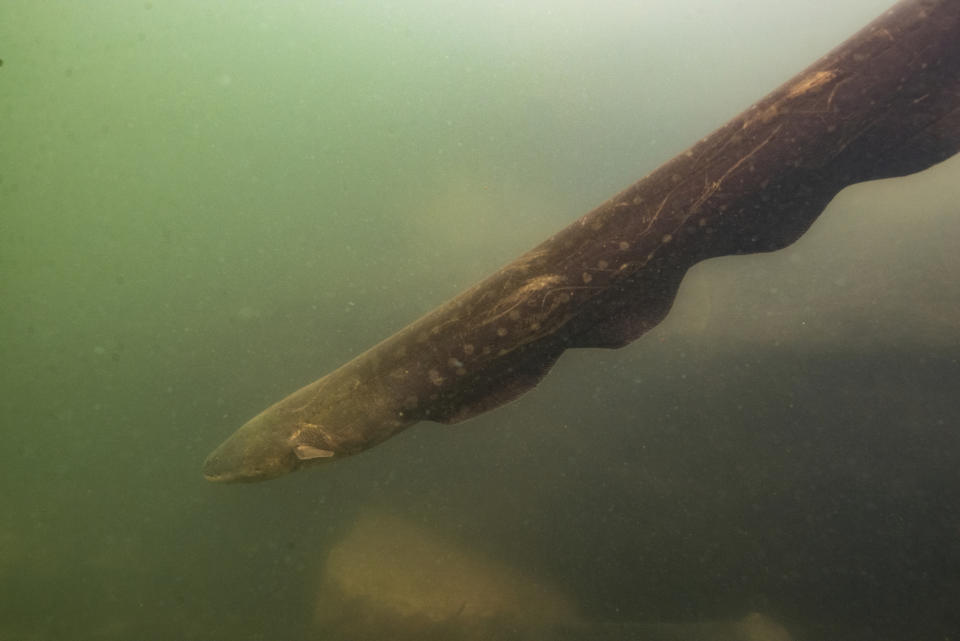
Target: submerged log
[885,103]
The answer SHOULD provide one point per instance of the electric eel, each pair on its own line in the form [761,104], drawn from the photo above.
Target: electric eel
[885,103]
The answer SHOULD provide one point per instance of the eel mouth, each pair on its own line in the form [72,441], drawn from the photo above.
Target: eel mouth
[250,455]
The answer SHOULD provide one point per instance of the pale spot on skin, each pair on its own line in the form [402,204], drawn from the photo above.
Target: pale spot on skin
[453,362]
[587,277]
[468,349]
[514,315]
[811,82]
[435,377]
[667,238]
[602,264]
[501,331]
[624,245]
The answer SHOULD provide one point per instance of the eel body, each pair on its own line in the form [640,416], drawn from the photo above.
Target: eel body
[884,103]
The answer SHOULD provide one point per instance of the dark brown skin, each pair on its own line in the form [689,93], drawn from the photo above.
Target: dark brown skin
[885,103]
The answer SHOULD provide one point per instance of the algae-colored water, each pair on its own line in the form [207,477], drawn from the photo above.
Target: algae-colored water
[204,206]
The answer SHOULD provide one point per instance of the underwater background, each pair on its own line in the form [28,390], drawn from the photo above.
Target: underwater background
[206,205]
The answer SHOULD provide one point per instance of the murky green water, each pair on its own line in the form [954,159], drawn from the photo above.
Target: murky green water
[204,206]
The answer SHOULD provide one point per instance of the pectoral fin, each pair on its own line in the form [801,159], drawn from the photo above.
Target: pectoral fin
[308,452]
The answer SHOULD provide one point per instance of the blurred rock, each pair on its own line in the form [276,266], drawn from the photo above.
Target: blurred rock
[391,569]
[389,578]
